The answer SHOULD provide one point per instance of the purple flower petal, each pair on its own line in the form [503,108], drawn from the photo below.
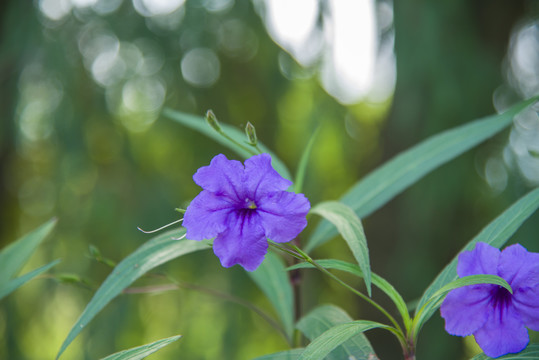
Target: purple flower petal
[503,332]
[283,215]
[261,178]
[242,243]
[466,309]
[526,301]
[483,259]
[519,267]
[241,206]
[206,216]
[223,177]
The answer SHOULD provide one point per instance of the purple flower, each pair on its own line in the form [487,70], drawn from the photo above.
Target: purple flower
[496,318]
[243,206]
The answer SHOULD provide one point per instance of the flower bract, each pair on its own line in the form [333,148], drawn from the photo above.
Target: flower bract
[241,207]
[496,318]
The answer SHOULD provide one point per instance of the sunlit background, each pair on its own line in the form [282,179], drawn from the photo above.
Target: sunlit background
[83,84]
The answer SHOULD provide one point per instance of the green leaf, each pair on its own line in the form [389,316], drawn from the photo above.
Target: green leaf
[282,355]
[531,352]
[337,335]
[324,318]
[349,226]
[272,278]
[302,167]
[377,280]
[433,303]
[198,123]
[496,234]
[153,253]
[12,285]
[389,180]
[15,255]
[141,352]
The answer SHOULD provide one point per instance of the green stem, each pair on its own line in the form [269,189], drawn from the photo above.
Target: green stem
[222,133]
[288,251]
[396,330]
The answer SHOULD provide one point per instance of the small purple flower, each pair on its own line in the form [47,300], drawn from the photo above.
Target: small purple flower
[496,318]
[243,206]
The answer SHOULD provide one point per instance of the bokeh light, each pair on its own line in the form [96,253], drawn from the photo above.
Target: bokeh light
[200,67]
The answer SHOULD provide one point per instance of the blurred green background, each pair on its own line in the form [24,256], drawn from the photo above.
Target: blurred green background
[82,86]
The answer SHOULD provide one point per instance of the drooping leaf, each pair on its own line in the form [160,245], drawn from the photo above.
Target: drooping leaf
[140,352]
[530,353]
[324,318]
[198,123]
[320,347]
[154,252]
[14,284]
[272,278]
[15,255]
[433,303]
[302,167]
[496,234]
[377,280]
[350,228]
[282,355]
[390,179]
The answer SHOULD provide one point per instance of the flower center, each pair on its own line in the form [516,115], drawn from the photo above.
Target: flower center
[500,296]
[249,204]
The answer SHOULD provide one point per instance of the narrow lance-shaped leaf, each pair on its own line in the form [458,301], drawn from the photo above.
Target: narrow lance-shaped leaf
[496,234]
[377,280]
[198,123]
[153,253]
[349,226]
[12,285]
[141,352]
[15,255]
[329,340]
[389,180]
[531,352]
[302,167]
[272,278]
[324,318]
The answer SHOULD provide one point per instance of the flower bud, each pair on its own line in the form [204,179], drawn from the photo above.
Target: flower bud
[211,119]
[251,133]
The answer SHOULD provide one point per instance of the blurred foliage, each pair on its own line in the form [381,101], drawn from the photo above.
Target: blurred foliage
[81,139]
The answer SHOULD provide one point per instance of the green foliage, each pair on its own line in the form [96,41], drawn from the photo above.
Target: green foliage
[302,167]
[349,226]
[335,336]
[233,141]
[14,284]
[271,277]
[322,319]
[377,280]
[141,352]
[383,184]
[15,255]
[154,252]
